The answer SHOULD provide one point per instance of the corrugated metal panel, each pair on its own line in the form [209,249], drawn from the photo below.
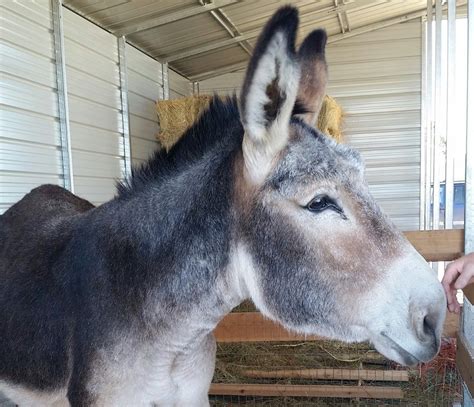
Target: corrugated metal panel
[94,108]
[179,85]
[29,136]
[376,77]
[192,32]
[145,87]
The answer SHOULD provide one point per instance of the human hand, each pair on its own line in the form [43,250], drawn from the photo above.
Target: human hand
[458,275]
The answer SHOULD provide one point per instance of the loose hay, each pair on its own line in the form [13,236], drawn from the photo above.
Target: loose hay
[434,384]
[176,115]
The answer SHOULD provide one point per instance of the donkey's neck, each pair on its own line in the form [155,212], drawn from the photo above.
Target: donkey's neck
[179,245]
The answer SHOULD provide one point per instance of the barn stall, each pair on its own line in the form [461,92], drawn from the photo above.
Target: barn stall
[79,90]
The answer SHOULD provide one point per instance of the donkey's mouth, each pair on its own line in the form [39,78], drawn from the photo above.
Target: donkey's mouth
[406,357]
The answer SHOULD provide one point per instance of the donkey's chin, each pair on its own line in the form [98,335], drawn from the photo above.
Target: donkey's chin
[404,354]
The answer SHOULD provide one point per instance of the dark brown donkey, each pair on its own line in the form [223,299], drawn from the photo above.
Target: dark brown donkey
[115,305]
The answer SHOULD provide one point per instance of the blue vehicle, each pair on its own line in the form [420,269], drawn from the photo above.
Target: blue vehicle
[458,204]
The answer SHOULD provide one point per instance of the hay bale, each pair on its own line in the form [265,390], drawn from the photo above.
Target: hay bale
[176,115]
[330,119]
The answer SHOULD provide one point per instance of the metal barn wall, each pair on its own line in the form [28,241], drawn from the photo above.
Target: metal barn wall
[376,77]
[30,152]
[30,141]
[93,83]
[179,86]
[145,87]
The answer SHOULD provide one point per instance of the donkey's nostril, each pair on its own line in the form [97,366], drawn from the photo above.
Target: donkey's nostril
[428,326]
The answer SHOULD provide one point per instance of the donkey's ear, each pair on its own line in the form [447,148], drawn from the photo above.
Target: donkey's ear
[312,87]
[269,93]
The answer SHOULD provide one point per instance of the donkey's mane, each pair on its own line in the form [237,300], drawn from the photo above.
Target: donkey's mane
[218,124]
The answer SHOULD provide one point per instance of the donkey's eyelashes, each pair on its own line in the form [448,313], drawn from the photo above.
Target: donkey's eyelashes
[321,203]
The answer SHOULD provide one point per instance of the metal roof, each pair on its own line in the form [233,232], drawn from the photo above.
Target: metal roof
[203,38]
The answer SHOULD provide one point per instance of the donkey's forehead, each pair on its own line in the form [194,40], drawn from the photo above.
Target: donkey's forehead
[311,156]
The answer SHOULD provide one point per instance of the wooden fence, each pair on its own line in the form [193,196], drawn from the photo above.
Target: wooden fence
[436,245]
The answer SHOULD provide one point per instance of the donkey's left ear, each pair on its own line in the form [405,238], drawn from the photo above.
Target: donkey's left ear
[269,93]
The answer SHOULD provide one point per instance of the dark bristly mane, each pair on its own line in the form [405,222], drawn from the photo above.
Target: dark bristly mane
[220,122]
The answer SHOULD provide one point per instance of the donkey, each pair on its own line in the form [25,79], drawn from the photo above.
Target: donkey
[115,305]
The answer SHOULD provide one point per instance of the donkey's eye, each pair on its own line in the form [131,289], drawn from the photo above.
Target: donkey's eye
[323,202]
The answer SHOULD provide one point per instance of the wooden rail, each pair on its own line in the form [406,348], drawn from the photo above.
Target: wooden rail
[254,327]
[438,245]
[465,362]
[331,374]
[287,390]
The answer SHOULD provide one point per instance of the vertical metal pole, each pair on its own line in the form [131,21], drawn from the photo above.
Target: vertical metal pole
[428,108]
[450,115]
[423,138]
[467,325]
[438,115]
[127,152]
[166,85]
[63,108]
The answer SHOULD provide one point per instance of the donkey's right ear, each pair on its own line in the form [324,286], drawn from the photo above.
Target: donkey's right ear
[269,93]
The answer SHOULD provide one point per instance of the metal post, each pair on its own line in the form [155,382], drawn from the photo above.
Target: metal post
[427,106]
[63,108]
[450,115]
[438,115]
[467,323]
[166,85]
[127,153]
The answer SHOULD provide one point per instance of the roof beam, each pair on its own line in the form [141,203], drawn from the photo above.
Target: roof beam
[174,16]
[219,71]
[331,39]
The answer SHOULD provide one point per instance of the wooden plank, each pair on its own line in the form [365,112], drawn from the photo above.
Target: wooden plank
[286,390]
[465,361]
[254,327]
[438,245]
[331,374]
[469,293]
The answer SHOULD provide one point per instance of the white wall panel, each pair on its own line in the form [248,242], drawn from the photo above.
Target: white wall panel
[93,82]
[376,77]
[179,85]
[145,87]
[29,137]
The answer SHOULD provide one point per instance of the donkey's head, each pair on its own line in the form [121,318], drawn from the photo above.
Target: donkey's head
[314,250]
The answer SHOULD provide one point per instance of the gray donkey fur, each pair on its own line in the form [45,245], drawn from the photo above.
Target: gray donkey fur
[115,305]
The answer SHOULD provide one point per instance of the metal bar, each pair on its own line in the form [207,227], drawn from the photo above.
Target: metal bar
[467,326]
[229,26]
[63,108]
[166,83]
[469,202]
[219,71]
[450,115]
[428,108]
[424,132]
[438,115]
[127,151]
[171,17]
